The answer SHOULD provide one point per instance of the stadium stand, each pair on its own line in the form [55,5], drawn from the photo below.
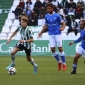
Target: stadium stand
[4,6]
[8,23]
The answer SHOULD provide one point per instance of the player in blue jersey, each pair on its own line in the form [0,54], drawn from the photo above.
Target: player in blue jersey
[53,21]
[81,48]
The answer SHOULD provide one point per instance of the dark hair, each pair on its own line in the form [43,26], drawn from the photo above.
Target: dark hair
[83,22]
[29,3]
[50,4]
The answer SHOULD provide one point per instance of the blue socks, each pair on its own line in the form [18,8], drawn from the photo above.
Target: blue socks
[74,67]
[62,55]
[56,56]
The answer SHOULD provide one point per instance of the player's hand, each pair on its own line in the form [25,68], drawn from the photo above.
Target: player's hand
[61,29]
[8,41]
[39,35]
[21,41]
[71,43]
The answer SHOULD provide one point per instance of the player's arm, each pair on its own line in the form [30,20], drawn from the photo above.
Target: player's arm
[44,29]
[63,26]
[76,41]
[61,22]
[30,40]
[14,33]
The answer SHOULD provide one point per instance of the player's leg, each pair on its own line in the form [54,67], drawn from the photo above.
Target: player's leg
[75,61]
[62,54]
[31,60]
[79,53]
[52,44]
[14,51]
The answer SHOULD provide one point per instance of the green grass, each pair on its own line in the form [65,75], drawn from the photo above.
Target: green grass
[47,72]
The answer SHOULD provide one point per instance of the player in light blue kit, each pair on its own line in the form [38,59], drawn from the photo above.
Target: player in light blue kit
[81,49]
[53,21]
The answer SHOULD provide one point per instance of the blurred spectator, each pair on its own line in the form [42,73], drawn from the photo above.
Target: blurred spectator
[64,5]
[84,11]
[42,12]
[55,3]
[22,4]
[81,2]
[18,11]
[67,18]
[37,6]
[21,15]
[50,0]
[73,26]
[33,19]
[28,7]
[78,11]
[71,10]
[45,2]
[72,4]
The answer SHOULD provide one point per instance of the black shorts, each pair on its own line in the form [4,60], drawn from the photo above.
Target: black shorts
[21,47]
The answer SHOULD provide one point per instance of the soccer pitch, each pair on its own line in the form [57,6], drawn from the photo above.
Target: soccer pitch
[47,72]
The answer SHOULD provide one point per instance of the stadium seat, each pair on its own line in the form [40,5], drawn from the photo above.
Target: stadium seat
[13,28]
[42,1]
[65,30]
[61,11]
[12,8]
[70,13]
[41,22]
[33,29]
[71,34]
[63,34]
[77,20]
[3,36]
[11,16]
[18,36]
[33,1]
[16,3]
[78,34]
[5,29]
[45,34]
[10,35]
[35,34]
[16,22]
[36,29]
[8,22]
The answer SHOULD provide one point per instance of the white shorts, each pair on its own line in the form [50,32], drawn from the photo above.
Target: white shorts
[55,40]
[79,49]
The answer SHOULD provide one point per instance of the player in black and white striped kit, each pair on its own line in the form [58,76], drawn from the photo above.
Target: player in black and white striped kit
[23,44]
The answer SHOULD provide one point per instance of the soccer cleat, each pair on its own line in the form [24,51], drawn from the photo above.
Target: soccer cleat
[64,67]
[11,65]
[73,72]
[59,66]
[35,68]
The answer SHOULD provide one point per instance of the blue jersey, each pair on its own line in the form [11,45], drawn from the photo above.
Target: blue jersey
[53,22]
[82,39]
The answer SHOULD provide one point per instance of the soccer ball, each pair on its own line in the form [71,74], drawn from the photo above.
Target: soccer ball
[12,71]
